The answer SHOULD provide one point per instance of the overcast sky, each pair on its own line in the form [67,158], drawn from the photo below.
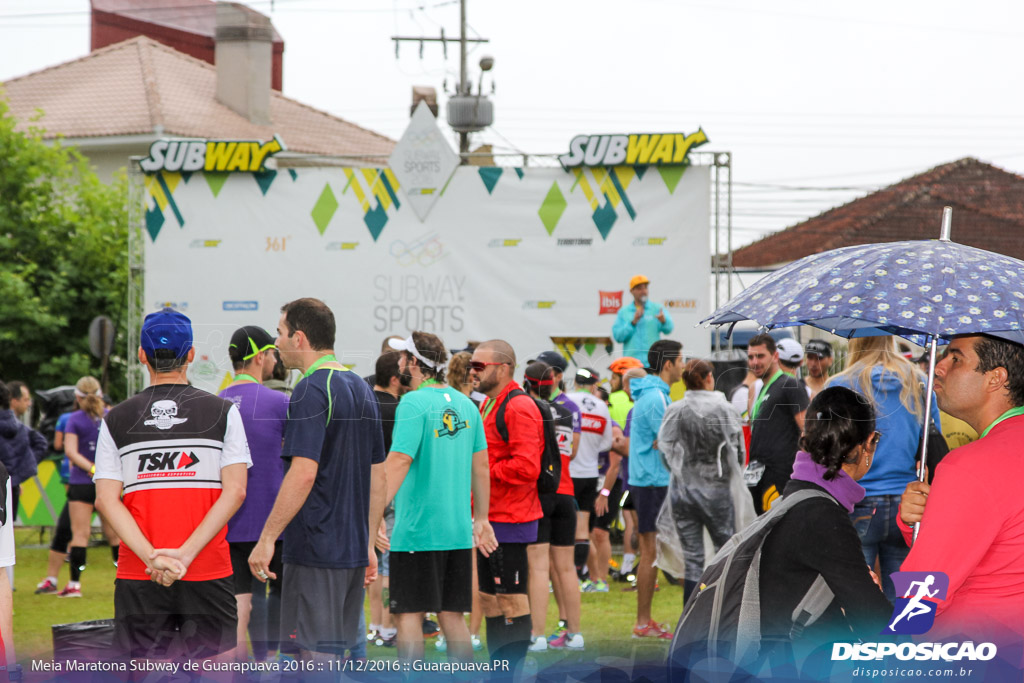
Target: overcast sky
[805,94]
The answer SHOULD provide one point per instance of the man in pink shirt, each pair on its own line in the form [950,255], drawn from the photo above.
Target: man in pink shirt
[972,527]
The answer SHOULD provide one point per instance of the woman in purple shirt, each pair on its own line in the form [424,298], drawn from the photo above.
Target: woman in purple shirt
[80,435]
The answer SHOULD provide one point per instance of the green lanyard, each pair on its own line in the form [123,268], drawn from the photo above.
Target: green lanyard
[429,383]
[329,358]
[1012,412]
[489,406]
[763,395]
[242,377]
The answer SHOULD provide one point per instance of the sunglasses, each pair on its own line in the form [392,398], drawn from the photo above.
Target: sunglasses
[480,366]
[875,438]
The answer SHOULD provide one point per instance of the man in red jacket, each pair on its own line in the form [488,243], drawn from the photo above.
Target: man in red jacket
[515,506]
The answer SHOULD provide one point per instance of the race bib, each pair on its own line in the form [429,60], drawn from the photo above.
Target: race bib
[753,473]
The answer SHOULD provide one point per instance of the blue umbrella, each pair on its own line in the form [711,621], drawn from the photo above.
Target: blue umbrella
[917,290]
[924,291]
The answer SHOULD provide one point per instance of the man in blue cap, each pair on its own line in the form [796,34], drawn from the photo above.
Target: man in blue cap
[179,457]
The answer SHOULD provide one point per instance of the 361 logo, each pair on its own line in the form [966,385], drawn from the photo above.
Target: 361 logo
[914,612]
[611,302]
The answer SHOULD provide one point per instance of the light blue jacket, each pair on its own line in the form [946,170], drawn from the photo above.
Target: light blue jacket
[892,466]
[651,396]
[637,339]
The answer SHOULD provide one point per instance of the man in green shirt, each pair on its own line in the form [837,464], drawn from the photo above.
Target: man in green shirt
[438,456]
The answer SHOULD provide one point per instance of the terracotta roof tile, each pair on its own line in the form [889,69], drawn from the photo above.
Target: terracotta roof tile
[140,87]
[988,212]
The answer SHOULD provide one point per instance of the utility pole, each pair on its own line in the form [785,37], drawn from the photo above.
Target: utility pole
[464,87]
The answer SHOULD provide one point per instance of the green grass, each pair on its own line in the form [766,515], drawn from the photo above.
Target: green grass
[607,618]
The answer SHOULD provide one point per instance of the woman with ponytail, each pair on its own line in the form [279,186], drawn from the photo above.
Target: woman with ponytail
[816,538]
[80,435]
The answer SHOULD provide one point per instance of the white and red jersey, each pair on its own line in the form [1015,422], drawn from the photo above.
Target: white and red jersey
[595,434]
[167,445]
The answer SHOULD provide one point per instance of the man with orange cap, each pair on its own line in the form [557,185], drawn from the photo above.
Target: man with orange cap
[640,323]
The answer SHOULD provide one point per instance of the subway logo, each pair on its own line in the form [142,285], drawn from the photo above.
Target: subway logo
[633,150]
[221,156]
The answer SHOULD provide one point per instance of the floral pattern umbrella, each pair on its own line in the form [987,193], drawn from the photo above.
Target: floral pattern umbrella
[916,289]
[923,290]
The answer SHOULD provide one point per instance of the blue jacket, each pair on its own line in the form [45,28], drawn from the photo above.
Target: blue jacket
[20,448]
[892,468]
[637,339]
[651,398]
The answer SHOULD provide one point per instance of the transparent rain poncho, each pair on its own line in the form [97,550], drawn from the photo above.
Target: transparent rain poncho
[701,441]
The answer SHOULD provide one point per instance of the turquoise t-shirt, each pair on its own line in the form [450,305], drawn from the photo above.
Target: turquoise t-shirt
[440,429]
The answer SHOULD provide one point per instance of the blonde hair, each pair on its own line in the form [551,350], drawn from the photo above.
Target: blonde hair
[867,353]
[90,396]
[458,371]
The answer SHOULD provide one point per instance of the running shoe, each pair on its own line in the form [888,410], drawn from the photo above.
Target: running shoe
[46,587]
[586,586]
[443,646]
[380,639]
[568,641]
[595,587]
[430,628]
[652,630]
[559,632]
[539,644]
[70,592]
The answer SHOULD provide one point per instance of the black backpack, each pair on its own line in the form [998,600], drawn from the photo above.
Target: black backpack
[723,619]
[551,457]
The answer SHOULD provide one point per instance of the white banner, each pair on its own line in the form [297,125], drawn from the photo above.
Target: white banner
[528,255]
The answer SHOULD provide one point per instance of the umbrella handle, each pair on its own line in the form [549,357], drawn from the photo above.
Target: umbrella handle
[928,388]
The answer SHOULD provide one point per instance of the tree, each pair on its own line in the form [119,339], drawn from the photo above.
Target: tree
[63,259]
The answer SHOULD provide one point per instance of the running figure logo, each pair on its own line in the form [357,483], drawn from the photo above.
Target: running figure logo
[914,613]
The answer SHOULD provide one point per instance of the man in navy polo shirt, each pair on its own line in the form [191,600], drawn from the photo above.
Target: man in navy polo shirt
[332,493]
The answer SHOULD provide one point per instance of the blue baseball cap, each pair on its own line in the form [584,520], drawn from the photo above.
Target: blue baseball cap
[167,329]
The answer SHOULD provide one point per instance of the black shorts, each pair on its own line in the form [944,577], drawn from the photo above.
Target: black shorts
[82,493]
[320,608]
[245,582]
[505,571]
[431,581]
[585,491]
[605,521]
[188,619]
[558,525]
[648,500]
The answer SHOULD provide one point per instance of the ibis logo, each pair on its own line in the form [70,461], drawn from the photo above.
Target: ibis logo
[611,302]
[217,156]
[633,150]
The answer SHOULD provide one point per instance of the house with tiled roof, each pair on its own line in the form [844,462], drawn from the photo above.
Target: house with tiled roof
[114,102]
[988,213]
[188,26]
